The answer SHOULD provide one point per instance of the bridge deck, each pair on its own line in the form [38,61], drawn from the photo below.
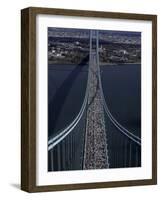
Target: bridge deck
[96,155]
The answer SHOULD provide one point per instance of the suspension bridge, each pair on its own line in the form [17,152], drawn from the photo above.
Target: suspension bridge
[86,142]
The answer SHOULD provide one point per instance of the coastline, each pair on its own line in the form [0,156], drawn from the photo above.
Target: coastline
[113,64]
[101,63]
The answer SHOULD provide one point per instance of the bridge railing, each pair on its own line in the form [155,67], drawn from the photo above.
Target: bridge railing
[124,147]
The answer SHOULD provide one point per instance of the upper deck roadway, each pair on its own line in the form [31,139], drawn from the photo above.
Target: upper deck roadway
[95,154]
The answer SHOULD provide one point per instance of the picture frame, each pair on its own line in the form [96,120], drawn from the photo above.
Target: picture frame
[29,95]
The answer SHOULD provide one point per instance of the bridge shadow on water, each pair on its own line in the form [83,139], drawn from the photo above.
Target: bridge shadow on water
[55,106]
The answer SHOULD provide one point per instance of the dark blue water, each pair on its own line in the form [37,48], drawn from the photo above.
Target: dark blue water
[66,91]
[122,90]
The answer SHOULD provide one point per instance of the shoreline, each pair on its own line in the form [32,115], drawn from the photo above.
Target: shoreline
[101,64]
[104,64]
